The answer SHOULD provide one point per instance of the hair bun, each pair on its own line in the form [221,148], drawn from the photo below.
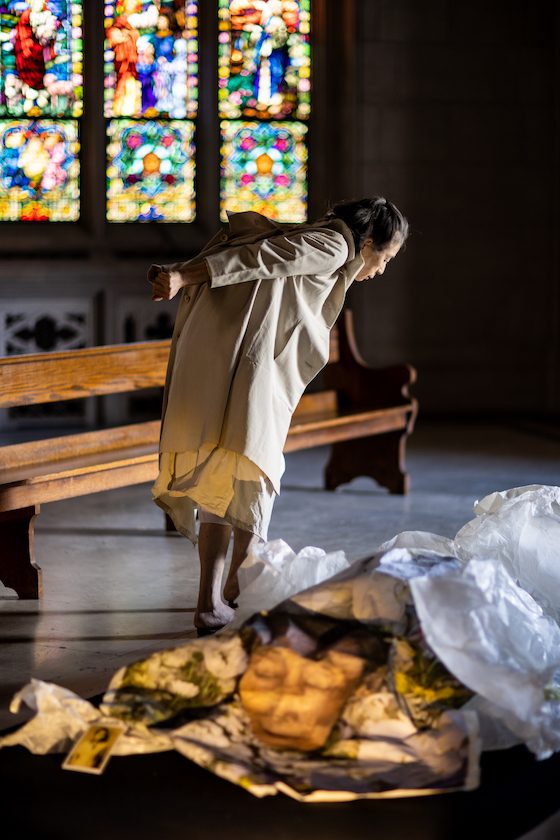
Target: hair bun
[373,217]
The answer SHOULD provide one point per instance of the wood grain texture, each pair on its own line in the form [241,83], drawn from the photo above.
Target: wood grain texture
[71,374]
[323,404]
[333,345]
[79,482]
[319,433]
[37,453]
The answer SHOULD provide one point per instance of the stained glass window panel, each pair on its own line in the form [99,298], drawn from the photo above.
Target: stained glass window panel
[41,58]
[264,59]
[39,170]
[151,58]
[264,168]
[150,171]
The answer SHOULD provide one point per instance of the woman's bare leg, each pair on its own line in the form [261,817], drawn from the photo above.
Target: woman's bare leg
[243,541]
[213,544]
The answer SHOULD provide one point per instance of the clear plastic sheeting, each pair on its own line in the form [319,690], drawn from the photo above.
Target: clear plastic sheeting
[62,716]
[495,638]
[420,540]
[375,589]
[520,528]
[273,572]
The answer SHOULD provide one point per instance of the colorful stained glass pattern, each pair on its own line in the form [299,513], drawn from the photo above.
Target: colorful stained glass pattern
[39,171]
[150,171]
[264,59]
[151,58]
[41,58]
[264,168]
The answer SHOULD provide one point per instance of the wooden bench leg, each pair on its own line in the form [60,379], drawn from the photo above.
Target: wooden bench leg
[380,457]
[18,569]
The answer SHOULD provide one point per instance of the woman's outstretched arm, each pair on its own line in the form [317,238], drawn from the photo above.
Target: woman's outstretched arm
[310,251]
[319,251]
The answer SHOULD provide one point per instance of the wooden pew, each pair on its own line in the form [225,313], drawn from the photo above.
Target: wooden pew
[365,413]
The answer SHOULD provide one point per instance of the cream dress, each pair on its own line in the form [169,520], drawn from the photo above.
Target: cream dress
[218,481]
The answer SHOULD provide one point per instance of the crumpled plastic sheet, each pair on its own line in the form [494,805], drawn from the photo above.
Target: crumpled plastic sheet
[520,528]
[515,538]
[62,716]
[273,572]
[496,639]
[488,603]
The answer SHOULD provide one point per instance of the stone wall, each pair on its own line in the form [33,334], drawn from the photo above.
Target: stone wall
[456,122]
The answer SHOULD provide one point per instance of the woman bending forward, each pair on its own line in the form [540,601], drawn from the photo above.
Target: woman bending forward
[252,330]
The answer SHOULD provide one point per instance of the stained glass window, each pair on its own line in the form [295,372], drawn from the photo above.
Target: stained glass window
[150,171]
[264,62]
[151,77]
[264,168]
[39,170]
[150,100]
[41,80]
[151,58]
[41,58]
[264,93]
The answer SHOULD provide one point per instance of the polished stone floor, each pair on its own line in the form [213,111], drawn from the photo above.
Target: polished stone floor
[116,586]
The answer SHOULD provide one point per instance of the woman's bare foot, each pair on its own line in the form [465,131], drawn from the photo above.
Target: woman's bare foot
[216,618]
[213,542]
[231,589]
[243,542]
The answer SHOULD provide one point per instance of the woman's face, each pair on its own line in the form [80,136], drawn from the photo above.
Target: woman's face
[375,261]
[294,702]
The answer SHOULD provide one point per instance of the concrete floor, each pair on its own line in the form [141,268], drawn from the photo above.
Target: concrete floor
[116,586]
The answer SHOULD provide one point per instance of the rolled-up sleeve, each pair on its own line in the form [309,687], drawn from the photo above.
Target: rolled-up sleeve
[301,252]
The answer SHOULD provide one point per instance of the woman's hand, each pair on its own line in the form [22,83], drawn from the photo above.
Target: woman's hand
[166,284]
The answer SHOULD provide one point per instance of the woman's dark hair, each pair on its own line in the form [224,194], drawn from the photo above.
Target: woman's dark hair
[376,218]
[313,635]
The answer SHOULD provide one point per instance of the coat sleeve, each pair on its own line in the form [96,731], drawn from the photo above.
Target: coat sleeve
[200,275]
[320,251]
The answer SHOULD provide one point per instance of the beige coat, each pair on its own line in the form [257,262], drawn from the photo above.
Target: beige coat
[247,343]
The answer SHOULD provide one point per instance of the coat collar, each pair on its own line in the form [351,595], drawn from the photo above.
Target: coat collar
[248,221]
[355,260]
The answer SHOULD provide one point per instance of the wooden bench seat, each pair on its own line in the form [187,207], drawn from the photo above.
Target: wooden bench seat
[364,413]
[315,428]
